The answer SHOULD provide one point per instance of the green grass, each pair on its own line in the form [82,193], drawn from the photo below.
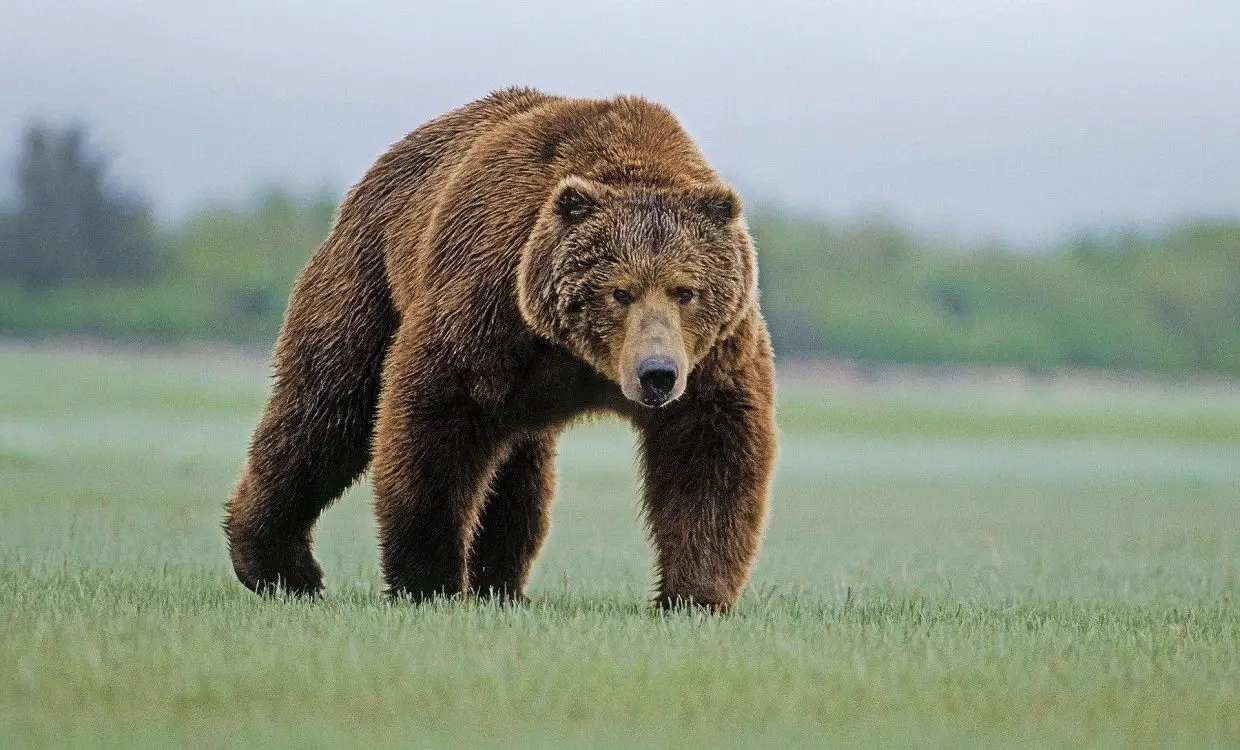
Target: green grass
[944,566]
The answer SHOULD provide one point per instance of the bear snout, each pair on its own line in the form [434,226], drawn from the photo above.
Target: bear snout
[657,376]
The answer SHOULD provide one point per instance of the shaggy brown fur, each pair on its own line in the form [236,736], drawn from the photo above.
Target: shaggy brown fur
[506,268]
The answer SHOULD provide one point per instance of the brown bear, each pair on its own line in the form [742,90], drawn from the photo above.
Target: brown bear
[501,271]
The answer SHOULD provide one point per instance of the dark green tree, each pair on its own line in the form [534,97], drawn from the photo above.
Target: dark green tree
[70,223]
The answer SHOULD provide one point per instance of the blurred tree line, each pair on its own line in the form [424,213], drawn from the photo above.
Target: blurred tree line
[871,290]
[80,256]
[70,224]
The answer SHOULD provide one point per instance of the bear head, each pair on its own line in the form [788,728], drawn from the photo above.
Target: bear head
[640,281]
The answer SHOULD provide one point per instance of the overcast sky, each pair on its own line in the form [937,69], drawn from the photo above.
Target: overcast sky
[1016,118]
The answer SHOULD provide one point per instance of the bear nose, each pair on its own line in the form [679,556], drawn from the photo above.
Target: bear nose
[657,376]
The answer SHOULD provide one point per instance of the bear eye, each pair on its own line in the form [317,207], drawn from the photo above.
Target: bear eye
[623,296]
[683,294]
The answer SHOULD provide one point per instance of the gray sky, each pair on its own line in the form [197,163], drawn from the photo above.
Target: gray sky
[1018,118]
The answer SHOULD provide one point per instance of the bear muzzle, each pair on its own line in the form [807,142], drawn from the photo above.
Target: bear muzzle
[654,378]
[653,365]
[657,377]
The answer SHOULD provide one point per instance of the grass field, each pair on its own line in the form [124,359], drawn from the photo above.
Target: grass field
[946,564]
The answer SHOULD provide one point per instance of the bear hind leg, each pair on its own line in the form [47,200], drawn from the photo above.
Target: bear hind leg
[314,438]
[513,523]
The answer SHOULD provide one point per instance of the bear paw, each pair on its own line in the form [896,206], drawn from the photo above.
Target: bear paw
[270,570]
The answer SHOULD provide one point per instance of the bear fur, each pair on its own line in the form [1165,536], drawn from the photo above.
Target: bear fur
[505,269]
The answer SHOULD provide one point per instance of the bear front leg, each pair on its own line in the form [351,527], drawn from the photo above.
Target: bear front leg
[708,460]
[514,521]
[435,451]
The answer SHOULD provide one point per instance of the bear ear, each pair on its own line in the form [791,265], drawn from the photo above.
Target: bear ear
[719,203]
[575,199]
